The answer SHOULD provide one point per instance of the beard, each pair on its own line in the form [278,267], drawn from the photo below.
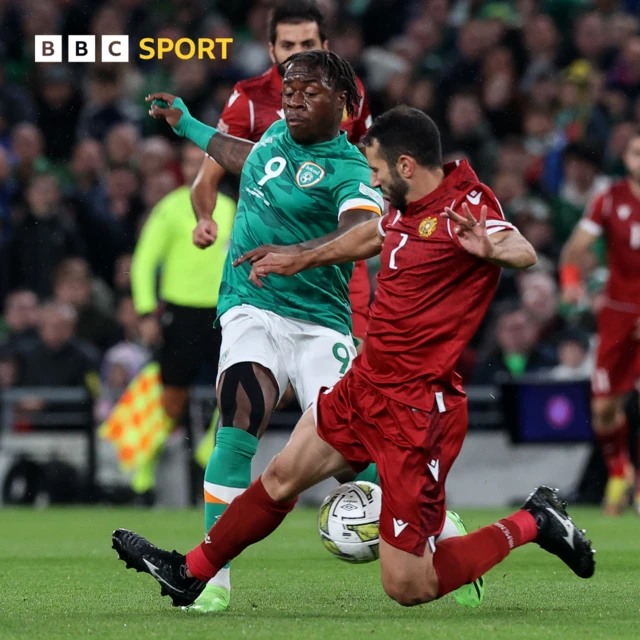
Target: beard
[397,191]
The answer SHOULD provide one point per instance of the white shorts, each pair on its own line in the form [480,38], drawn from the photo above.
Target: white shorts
[306,354]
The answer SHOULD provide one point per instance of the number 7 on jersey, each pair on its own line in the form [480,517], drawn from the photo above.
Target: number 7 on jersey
[392,257]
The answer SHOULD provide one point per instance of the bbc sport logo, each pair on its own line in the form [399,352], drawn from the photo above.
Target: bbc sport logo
[116,48]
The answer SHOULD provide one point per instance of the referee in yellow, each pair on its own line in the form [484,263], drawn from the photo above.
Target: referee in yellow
[180,323]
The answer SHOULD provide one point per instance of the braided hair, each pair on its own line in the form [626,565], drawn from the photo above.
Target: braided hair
[336,71]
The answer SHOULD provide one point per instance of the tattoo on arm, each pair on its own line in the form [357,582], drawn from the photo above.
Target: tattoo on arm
[229,152]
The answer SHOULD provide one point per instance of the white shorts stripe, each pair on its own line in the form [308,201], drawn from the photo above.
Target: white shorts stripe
[440,402]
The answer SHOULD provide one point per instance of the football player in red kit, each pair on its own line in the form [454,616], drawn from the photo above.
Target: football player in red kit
[401,404]
[256,103]
[616,214]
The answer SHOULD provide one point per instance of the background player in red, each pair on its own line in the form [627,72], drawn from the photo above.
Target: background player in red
[256,103]
[401,403]
[616,214]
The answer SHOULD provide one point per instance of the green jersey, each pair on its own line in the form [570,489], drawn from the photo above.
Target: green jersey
[291,193]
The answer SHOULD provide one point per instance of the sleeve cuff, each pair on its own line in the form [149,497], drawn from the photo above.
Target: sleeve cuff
[590,226]
[359,203]
[494,226]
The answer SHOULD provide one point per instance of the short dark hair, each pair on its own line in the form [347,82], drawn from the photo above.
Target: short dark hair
[406,131]
[584,151]
[336,71]
[296,12]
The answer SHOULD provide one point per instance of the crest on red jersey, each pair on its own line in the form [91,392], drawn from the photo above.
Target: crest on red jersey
[309,174]
[427,227]
[624,211]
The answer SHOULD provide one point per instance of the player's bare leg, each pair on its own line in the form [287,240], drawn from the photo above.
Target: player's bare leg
[247,395]
[612,433]
[305,461]
[410,580]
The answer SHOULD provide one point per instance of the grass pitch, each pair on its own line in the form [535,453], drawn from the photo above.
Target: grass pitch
[59,578]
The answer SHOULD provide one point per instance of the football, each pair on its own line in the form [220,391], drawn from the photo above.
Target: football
[349,522]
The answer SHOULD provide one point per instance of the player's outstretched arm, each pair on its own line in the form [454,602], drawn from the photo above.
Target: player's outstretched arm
[505,249]
[360,242]
[230,152]
[573,253]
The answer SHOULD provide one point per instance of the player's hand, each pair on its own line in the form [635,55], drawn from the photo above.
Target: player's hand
[205,233]
[260,252]
[170,108]
[279,263]
[573,294]
[472,233]
[150,331]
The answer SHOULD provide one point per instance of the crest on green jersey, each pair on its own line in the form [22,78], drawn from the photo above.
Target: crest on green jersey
[309,174]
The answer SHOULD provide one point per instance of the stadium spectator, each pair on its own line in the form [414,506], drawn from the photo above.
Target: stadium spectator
[576,360]
[57,360]
[533,218]
[125,203]
[469,131]
[73,286]
[18,326]
[121,144]
[27,145]
[59,103]
[102,235]
[122,361]
[44,238]
[516,352]
[539,294]
[582,181]
[106,104]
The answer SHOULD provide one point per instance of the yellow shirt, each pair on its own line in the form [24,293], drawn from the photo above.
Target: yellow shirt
[189,277]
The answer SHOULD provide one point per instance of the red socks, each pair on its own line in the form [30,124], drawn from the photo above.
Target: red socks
[463,559]
[249,518]
[615,449]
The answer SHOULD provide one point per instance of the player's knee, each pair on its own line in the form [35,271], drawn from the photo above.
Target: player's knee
[279,480]
[408,592]
[242,399]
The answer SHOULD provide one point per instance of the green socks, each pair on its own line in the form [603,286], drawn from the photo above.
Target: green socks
[370,474]
[228,473]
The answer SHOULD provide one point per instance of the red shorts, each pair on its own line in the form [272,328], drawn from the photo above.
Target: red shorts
[618,358]
[360,296]
[414,451]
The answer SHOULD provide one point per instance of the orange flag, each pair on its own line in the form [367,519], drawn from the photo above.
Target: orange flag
[138,425]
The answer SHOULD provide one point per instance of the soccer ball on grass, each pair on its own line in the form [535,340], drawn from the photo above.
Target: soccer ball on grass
[349,522]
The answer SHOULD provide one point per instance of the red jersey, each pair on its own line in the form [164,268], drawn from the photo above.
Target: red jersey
[256,104]
[253,107]
[616,212]
[432,294]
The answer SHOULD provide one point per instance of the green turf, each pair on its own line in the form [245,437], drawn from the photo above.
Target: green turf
[59,578]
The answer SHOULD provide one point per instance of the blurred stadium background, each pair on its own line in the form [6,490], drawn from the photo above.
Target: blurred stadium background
[539,95]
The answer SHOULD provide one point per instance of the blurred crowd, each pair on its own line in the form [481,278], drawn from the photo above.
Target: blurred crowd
[539,95]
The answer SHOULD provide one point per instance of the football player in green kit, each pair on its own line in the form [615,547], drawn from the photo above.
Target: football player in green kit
[302,184]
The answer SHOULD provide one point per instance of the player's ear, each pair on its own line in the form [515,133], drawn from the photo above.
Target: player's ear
[406,166]
[325,45]
[342,100]
[272,53]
